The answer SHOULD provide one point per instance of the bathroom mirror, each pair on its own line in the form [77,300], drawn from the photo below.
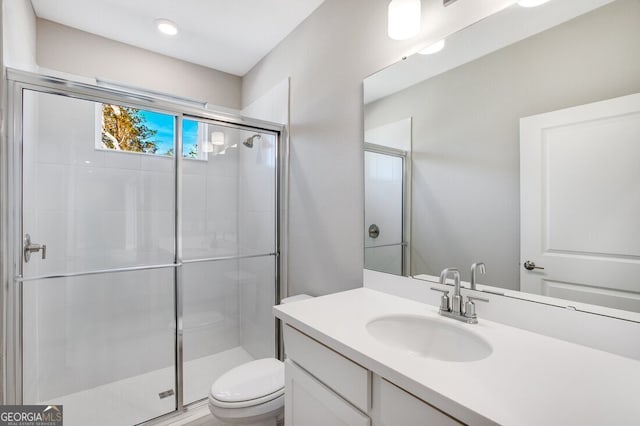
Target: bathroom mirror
[521,146]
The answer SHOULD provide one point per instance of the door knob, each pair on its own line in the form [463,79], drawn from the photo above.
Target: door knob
[530,266]
[374,231]
[30,247]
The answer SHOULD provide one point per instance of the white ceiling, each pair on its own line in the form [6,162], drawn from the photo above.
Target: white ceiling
[227,35]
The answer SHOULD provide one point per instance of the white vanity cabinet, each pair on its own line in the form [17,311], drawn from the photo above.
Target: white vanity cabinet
[308,402]
[325,388]
[393,406]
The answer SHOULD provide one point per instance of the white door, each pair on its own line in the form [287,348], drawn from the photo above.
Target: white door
[580,203]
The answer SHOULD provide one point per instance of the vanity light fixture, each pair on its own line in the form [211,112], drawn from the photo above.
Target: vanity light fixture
[531,3]
[166,27]
[434,48]
[403,19]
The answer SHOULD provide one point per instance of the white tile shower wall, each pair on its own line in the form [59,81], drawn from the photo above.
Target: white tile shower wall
[256,192]
[257,235]
[256,280]
[94,209]
[211,313]
[209,205]
[83,332]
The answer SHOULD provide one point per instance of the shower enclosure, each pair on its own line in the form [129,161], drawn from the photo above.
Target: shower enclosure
[142,249]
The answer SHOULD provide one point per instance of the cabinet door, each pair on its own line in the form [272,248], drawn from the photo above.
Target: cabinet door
[310,403]
[395,407]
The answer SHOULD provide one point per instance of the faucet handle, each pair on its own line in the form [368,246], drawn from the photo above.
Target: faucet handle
[444,300]
[470,307]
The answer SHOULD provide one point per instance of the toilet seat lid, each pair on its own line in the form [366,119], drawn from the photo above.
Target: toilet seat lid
[250,381]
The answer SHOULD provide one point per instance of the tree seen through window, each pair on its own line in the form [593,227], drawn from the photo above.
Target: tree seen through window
[134,130]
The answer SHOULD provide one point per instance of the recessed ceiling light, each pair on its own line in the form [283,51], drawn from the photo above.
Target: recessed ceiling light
[531,3]
[434,48]
[167,27]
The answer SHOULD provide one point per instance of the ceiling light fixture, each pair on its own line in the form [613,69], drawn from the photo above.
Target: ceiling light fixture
[434,48]
[531,3]
[167,27]
[403,19]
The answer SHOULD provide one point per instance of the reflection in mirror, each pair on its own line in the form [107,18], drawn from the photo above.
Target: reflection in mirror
[384,248]
[387,200]
[525,146]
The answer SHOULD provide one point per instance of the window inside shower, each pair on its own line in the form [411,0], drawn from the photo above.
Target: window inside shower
[160,269]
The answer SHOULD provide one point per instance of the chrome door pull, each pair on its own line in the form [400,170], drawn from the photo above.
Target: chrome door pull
[530,266]
[30,247]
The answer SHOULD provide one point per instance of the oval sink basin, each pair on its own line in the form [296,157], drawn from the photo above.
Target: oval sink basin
[429,337]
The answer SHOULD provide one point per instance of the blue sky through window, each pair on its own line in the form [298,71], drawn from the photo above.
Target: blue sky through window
[163,124]
[163,128]
[189,137]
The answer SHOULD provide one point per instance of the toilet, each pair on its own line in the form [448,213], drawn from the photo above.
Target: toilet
[251,394]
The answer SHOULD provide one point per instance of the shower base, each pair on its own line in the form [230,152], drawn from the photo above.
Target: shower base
[135,399]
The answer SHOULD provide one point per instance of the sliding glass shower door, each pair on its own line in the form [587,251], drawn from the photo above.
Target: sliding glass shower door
[147,264]
[98,306]
[228,250]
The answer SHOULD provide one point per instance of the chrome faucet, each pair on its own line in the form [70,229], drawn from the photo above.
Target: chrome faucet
[456,299]
[476,266]
[454,309]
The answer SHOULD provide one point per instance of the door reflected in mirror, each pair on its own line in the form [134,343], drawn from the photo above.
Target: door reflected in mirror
[524,143]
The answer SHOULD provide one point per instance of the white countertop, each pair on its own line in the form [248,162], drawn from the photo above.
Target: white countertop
[529,379]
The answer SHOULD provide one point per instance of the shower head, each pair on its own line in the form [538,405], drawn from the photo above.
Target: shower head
[249,141]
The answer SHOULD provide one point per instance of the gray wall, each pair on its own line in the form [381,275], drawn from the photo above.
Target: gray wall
[466,133]
[327,57]
[73,51]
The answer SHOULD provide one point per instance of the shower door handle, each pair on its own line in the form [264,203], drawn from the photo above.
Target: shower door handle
[30,247]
